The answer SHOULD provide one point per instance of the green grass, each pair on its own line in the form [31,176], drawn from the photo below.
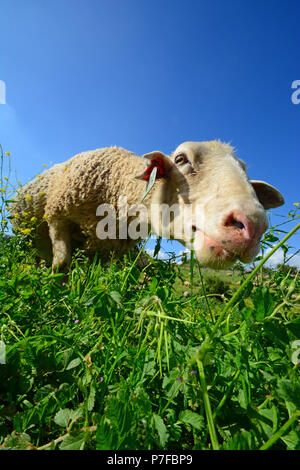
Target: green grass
[119,356]
[112,359]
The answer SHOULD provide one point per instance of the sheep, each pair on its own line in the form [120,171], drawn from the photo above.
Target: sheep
[221,210]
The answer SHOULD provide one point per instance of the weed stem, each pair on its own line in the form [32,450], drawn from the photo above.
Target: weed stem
[208,412]
[280,431]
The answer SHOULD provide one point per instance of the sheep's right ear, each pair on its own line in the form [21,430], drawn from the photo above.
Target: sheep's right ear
[159,160]
[267,195]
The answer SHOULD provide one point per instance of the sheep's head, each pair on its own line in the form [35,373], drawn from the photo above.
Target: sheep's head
[208,202]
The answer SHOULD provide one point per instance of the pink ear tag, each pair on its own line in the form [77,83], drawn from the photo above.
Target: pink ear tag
[150,183]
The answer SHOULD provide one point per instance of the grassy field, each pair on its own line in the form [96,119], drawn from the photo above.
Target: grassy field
[147,354]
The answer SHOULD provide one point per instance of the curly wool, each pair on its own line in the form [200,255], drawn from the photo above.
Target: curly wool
[72,191]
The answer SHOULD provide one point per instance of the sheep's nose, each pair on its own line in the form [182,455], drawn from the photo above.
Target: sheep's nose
[242,227]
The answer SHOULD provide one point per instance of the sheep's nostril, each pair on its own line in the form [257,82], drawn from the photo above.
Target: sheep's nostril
[194,228]
[231,221]
[238,224]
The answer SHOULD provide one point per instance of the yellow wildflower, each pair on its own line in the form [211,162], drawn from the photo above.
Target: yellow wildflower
[16,215]
[28,198]
[5,178]
[3,221]
[39,176]
[44,164]
[3,190]
[42,193]
[26,230]
[7,153]
[33,219]
[296,204]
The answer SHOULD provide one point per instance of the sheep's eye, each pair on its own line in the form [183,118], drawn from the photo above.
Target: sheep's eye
[181,158]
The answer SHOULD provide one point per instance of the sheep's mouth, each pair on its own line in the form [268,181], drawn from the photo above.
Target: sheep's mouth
[219,250]
[216,249]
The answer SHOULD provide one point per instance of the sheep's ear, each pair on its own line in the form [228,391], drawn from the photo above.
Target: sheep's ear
[158,160]
[267,195]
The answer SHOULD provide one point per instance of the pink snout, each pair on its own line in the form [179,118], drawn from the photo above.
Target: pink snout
[240,232]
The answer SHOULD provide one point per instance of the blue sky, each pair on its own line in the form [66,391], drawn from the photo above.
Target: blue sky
[145,75]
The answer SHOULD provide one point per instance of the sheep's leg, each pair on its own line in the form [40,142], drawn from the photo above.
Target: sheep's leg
[43,243]
[59,232]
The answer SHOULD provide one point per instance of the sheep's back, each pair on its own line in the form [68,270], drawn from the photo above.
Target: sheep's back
[92,178]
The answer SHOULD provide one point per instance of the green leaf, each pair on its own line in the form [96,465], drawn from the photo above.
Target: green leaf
[142,404]
[275,354]
[150,183]
[91,300]
[275,330]
[149,364]
[242,398]
[292,439]
[161,429]
[63,417]
[76,414]
[67,354]
[172,384]
[153,285]
[91,399]
[243,440]
[263,303]
[289,391]
[270,238]
[268,421]
[74,363]
[191,418]
[55,276]
[163,293]
[116,296]
[294,327]
[17,441]
[106,437]
[76,442]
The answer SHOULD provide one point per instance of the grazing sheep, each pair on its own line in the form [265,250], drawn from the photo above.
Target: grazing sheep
[222,212]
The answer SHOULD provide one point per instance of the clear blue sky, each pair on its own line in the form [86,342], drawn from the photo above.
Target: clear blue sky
[145,75]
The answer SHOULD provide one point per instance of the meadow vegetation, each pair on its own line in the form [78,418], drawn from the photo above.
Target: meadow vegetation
[142,353]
